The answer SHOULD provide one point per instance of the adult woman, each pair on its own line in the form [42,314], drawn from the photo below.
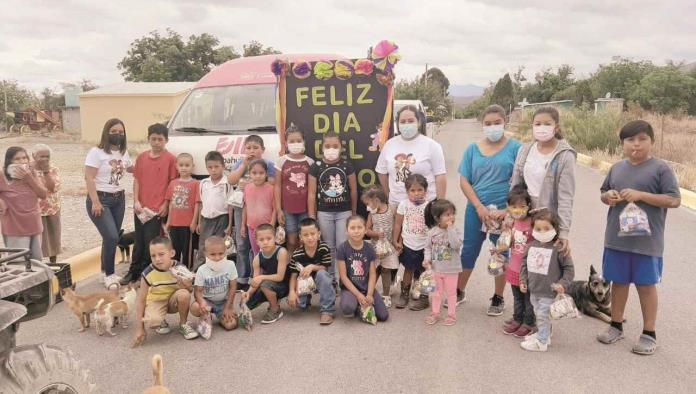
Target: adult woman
[485,172]
[408,153]
[106,200]
[49,206]
[20,191]
[547,167]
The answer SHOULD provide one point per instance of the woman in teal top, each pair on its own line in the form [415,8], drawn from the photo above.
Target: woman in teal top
[485,173]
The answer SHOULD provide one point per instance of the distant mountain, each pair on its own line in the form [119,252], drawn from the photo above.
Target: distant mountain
[466,90]
[685,68]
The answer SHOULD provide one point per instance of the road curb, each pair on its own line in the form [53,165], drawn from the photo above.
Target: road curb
[688,198]
[84,265]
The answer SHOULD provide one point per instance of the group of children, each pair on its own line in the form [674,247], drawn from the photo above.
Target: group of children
[316,203]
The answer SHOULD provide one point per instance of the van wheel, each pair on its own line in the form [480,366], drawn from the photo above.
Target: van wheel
[43,369]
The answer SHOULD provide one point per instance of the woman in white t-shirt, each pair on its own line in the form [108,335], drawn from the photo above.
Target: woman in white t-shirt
[105,166]
[408,153]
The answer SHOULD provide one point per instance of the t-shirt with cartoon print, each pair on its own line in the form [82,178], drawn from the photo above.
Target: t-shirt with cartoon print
[358,263]
[293,178]
[413,231]
[110,168]
[333,191]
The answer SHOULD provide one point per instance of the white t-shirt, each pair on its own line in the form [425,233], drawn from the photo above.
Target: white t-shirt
[413,231]
[110,168]
[216,284]
[400,158]
[214,197]
[535,170]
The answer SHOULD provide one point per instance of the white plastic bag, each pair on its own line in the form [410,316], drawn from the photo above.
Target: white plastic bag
[563,307]
[633,222]
[306,285]
[280,235]
[145,215]
[236,198]
[426,282]
[182,272]
[383,248]
[229,244]
[497,264]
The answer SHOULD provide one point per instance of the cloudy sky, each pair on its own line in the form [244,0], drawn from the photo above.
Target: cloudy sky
[44,43]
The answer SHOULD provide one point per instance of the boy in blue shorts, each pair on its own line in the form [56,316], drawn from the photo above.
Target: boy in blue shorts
[651,184]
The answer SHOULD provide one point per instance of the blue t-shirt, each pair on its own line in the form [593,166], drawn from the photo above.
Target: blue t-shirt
[490,175]
[246,179]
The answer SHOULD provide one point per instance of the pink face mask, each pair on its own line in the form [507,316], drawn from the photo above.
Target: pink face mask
[543,133]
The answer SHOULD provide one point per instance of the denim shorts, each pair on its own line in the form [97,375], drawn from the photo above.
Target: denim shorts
[292,222]
[216,308]
[412,259]
[626,267]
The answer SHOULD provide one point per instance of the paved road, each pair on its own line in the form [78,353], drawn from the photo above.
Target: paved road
[405,355]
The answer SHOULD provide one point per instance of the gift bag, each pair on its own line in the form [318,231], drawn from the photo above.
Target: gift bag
[181,272]
[633,222]
[504,241]
[280,235]
[367,314]
[497,264]
[246,321]
[383,248]
[426,283]
[563,307]
[306,286]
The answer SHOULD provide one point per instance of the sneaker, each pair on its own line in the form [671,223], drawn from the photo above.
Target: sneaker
[272,316]
[402,301]
[127,279]
[431,319]
[461,298]
[102,277]
[497,306]
[421,303]
[450,321]
[205,328]
[187,332]
[534,335]
[611,335]
[163,329]
[523,331]
[387,301]
[645,346]
[111,282]
[510,327]
[326,319]
[534,345]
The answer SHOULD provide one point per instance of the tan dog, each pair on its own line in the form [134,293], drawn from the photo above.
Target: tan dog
[83,305]
[106,315]
[157,372]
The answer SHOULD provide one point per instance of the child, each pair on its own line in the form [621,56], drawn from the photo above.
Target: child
[214,213]
[333,193]
[259,206]
[442,255]
[161,293]
[291,186]
[523,321]
[154,169]
[239,177]
[271,275]
[183,198]
[380,227]
[315,257]
[545,270]
[214,288]
[410,236]
[358,272]
[651,184]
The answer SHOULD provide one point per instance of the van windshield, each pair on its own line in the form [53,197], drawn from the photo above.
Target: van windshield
[227,109]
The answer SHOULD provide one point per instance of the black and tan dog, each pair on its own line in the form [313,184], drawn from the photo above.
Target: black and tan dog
[593,297]
[125,241]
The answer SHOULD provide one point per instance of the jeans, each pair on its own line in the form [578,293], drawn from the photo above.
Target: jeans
[333,232]
[523,311]
[144,233]
[446,284]
[108,224]
[327,294]
[351,307]
[542,305]
[243,262]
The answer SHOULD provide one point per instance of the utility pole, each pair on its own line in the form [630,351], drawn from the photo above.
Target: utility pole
[425,76]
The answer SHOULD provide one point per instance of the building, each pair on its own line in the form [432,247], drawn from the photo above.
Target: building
[137,104]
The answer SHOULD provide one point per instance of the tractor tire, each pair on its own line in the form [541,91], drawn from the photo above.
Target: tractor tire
[43,369]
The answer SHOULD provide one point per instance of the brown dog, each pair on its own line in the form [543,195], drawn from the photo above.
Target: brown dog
[106,315]
[157,372]
[83,305]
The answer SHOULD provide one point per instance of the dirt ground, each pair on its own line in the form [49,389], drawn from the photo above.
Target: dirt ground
[78,232]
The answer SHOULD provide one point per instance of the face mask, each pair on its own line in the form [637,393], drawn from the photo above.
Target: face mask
[331,154]
[296,148]
[544,237]
[518,213]
[494,132]
[214,265]
[418,201]
[116,139]
[544,133]
[370,209]
[408,130]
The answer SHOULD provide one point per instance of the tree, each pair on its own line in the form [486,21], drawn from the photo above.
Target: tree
[620,77]
[18,98]
[503,93]
[435,75]
[255,48]
[666,90]
[431,95]
[51,100]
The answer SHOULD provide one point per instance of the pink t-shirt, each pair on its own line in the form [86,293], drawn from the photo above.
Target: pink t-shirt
[521,238]
[22,217]
[258,202]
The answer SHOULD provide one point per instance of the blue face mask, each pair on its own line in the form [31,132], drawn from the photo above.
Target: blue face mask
[494,132]
[408,130]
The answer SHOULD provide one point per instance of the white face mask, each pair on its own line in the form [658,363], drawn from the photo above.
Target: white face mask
[544,133]
[494,132]
[331,154]
[214,265]
[408,130]
[544,237]
[296,148]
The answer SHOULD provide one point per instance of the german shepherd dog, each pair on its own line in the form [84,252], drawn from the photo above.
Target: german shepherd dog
[593,297]
[125,241]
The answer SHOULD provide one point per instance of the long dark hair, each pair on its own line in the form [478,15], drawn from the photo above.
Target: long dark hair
[9,155]
[104,142]
[419,117]
[435,209]
[553,113]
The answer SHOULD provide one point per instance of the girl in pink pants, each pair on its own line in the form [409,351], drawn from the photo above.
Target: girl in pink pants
[442,256]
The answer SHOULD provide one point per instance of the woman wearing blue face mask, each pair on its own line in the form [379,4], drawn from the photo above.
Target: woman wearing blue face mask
[485,173]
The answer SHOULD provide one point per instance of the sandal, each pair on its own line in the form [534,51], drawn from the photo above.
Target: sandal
[431,319]
[450,321]
[646,345]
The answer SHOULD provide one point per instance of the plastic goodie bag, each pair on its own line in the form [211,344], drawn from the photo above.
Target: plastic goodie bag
[367,314]
[181,272]
[145,215]
[236,198]
[280,235]
[426,282]
[13,170]
[563,307]
[633,222]
[230,246]
[383,248]
[497,264]
[306,285]
[246,321]
[504,241]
